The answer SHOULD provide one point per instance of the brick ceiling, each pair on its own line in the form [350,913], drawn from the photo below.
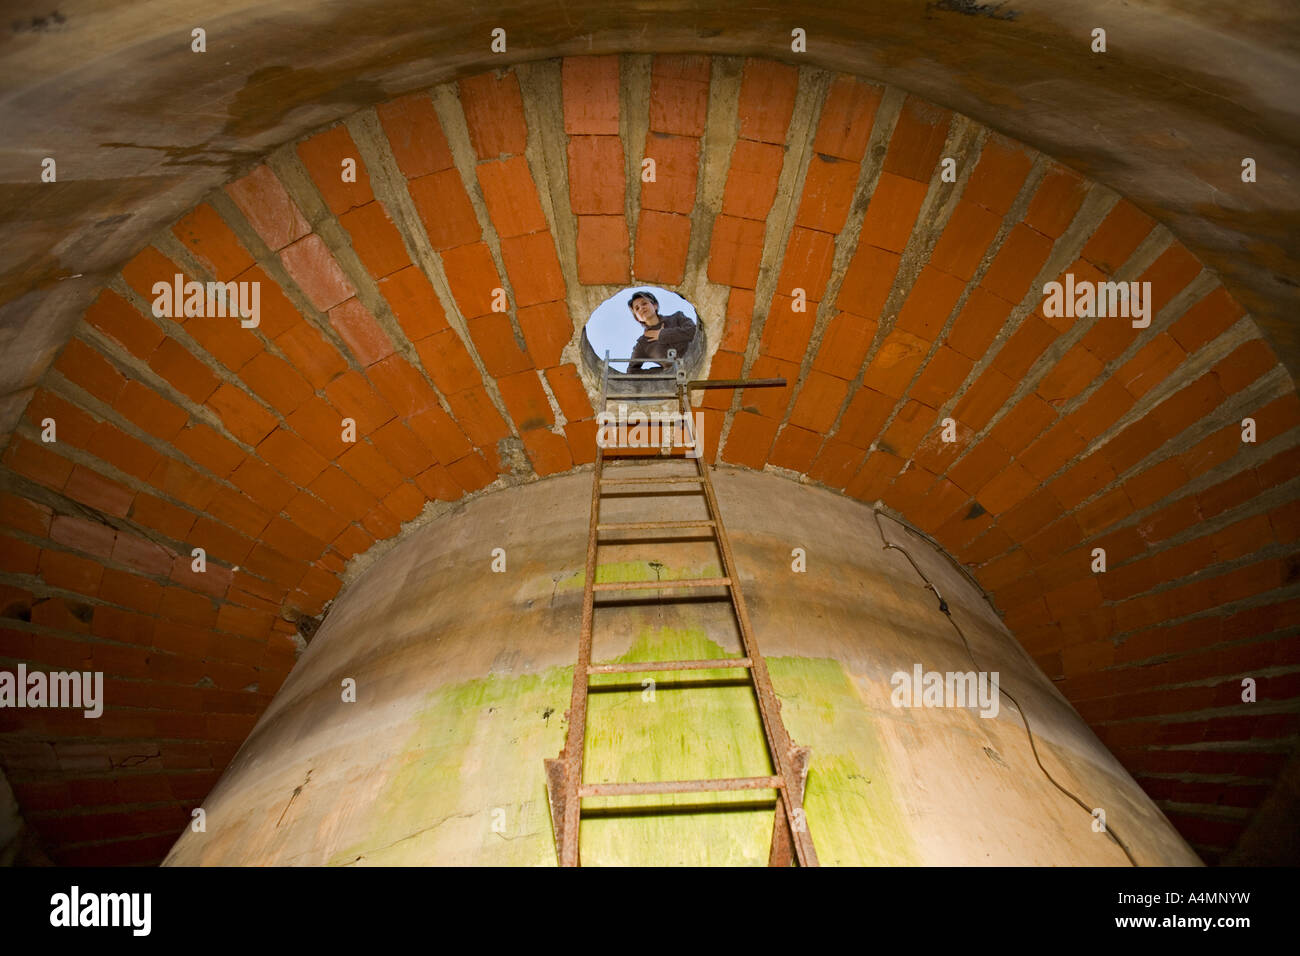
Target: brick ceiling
[924,304]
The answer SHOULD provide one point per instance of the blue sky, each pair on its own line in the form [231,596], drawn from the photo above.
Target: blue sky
[612,326]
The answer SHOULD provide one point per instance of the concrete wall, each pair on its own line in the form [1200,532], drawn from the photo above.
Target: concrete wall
[463,677]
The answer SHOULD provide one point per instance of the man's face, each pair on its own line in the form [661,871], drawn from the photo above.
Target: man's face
[646,313]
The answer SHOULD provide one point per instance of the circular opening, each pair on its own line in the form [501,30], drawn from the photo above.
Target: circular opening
[615,329]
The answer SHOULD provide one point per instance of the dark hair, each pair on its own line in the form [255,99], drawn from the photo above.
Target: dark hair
[643,295]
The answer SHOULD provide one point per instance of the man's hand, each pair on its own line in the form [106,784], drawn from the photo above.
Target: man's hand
[651,334]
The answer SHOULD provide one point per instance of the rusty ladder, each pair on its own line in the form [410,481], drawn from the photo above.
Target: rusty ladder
[791,839]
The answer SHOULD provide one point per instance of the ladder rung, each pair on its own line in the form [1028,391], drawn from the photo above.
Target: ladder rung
[651,525]
[623,395]
[648,481]
[658,585]
[720,662]
[680,786]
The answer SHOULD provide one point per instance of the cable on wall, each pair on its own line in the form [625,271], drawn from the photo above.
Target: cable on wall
[943,606]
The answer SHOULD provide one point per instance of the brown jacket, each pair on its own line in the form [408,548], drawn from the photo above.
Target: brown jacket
[676,331]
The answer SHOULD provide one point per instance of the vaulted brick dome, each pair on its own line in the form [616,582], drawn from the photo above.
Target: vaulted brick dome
[884,254]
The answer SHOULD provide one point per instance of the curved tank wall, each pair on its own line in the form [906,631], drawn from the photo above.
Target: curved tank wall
[462,678]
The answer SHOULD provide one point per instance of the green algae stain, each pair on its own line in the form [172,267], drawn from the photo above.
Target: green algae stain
[468,786]
[854,812]
[476,755]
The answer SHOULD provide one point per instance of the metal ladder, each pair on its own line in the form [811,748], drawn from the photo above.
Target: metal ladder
[791,839]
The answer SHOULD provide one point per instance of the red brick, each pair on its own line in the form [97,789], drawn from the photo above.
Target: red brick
[261,483]
[358,328]
[931,301]
[1150,366]
[547,330]
[83,365]
[19,557]
[661,242]
[847,119]
[892,213]
[415,135]
[602,250]
[918,140]
[819,402]
[150,411]
[569,392]
[867,281]
[979,466]
[241,414]
[448,362]
[677,160]
[276,382]
[205,446]
[999,174]
[767,94]
[352,395]
[1119,234]
[97,491]
[965,239]
[478,417]
[978,323]
[145,269]
[1075,371]
[306,349]
[313,267]
[866,414]
[525,400]
[1203,322]
[401,449]
[227,342]
[907,429]
[548,452]
[342,494]
[533,268]
[1022,424]
[942,377]
[444,208]
[1024,347]
[828,190]
[267,207]
[1018,261]
[183,371]
[323,156]
[597,176]
[590,86]
[119,320]
[375,239]
[213,243]
[844,345]
[145,556]
[494,339]
[679,94]
[1055,202]
[123,452]
[291,456]
[24,515]
[292,541]
[752,178]
[72,425]
[983,398]
[895,364]
[750,440]
[1173,270]
[494,113]
[878,472]
[411,297]
[37,462]
[402,386]
[157,514]
[795,448]
[786,332]
[473,278]
[1102,409]
[511,197]
[581,437]
[807,263]
[471,472]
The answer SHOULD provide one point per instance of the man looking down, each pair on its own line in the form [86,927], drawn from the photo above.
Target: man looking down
[660,332]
